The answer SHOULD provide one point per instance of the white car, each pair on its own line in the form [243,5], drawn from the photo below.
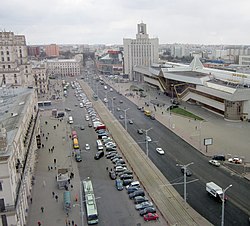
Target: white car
[87,118]
[160,151]
[110,89]
[87,147]
[235,160]
[105,100]
[214,162]
[148,139]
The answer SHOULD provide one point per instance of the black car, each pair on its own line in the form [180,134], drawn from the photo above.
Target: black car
[147,210]
[188,172]
[112,175]
[89,125]
[127,182]
[78,157]
[110,155]
[126,176]
[140,199]
[219,157]
[99,155]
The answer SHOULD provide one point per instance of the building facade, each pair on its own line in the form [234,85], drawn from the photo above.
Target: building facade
[69,67]
[52,50]
[111,62]
[224,92]
[19,140]
[142,51]
[41,80]
[14,66]
[244,60]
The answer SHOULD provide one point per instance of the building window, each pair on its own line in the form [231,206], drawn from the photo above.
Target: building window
[8,59]
[8,52]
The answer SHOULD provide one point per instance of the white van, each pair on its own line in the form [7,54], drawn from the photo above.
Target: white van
[99,145]
[70,120]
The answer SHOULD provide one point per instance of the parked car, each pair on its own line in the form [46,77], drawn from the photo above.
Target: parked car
[219,157]
[214,162]
[119,184]
[147,210]
[143,205]
[90,125]
[132,189]
[151,217]
[140,199]
[99,155]
[78,157]
[139,192]
[126,176]
[235,160]
[134,184]
[82,128]
[160,151]
[120,101]
[118,109]
[112,175]
[130,121]
[127,182]
[120,169]
[121,117]
[87,147]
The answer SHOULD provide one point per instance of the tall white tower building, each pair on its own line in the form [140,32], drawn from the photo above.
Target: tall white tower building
[142,51]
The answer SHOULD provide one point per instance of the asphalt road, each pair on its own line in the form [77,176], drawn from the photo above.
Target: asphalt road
[177,151]
[114,207]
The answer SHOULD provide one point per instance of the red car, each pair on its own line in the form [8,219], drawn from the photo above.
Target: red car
[151,216]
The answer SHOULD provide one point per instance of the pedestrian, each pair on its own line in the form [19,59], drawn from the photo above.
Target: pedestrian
[54,161]
[48,168]
[43,134]
[57,125]
[46,138]
[107,168]
[54,127]
[53,194]
[56,197]
[71,186]
[69,222]
[31,200]
[162,112]
[39,223]
[42,209]
[42,145]
[49,150]
[48,133]
[73,222]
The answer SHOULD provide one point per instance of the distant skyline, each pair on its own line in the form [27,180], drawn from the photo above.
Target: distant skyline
[107,22]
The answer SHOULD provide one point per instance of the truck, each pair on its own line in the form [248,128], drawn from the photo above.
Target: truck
[215,191]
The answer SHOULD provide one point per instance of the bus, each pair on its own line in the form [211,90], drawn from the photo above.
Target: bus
[75,143]
[90,203]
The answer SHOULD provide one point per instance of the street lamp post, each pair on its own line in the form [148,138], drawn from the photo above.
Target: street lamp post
[185,179]
[112,102]
[125,118]
[223,203]
[146,133]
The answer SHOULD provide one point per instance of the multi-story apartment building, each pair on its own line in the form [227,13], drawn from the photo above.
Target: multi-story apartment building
[14,66]
[141,51]
[67,67]
[41,81]
[52,50]
[19,140]
[244,60]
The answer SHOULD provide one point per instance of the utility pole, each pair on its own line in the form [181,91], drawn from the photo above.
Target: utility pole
[146,132]
[125,117]
[223,203]
[185,179]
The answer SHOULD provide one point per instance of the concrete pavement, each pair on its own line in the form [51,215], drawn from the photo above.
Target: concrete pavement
[45,182]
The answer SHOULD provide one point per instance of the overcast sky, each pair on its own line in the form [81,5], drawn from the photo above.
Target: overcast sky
[109,21]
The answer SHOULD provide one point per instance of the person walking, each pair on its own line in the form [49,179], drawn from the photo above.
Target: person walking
[39,223]
[73,222]
[56,197]
[53,194]
[42,209]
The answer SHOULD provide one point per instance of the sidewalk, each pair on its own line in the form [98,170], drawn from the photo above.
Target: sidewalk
[45,182]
